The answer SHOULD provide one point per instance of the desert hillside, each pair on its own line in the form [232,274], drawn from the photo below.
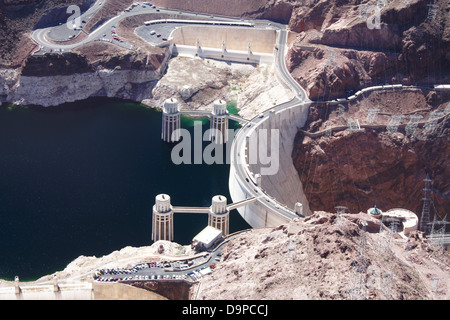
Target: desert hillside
[383,164]
[325,257]
[338,48]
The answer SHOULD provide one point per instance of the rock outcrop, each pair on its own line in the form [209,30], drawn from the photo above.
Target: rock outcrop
[323,257]
[329,73]
[97,69]
[84,267]
[377,166]
[276,10]
[198,83]
[89,72]
[19,17]
[408,45]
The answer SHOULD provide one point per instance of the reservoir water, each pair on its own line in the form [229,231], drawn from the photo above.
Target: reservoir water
[81,179]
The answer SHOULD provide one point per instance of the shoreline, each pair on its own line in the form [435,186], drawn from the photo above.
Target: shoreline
[187,235]
[125,257]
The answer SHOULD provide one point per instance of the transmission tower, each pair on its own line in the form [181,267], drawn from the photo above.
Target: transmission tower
[425,219]
[412,125]
[353,125]
[434,284]
[357,281]
[339,211]
[292,250]
[396,120]
[371,115]
[386,284]
[356,288]
[385,238]
[432,11]
[361,254]
[433,120]
[437,234]
[437,223]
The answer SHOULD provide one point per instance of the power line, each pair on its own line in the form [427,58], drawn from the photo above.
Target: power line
[425,218]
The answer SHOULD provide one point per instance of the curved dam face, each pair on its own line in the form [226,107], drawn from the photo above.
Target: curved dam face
[278,188]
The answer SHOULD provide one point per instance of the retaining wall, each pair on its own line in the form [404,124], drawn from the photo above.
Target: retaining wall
[236,38]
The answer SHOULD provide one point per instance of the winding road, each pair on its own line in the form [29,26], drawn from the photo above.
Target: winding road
[43,37]
[238,161]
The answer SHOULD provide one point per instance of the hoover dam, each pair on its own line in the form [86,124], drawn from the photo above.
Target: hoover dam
[266,180]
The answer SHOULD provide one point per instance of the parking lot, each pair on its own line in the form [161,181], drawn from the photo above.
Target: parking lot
[55,39]
[189,269]
[156,34]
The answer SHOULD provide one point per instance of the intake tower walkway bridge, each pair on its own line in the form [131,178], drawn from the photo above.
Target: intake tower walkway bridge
[219,121]
[218,215]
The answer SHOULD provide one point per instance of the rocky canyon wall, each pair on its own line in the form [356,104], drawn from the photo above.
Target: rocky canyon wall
[57,78]
[408,45]
[275,10]
[381,165]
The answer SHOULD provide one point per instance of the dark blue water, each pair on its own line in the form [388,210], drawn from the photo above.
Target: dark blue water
[81,179]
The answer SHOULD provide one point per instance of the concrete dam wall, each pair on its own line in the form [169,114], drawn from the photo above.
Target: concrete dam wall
[277,193]
[236,38]
[285,186]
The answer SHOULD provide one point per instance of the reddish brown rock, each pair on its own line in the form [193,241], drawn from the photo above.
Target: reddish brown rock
[318,261]
[275,10]
[407,46]
[375,166]
[328,73]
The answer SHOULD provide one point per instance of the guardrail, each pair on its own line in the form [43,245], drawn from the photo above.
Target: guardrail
[226,23]
[362,126]
[440,87]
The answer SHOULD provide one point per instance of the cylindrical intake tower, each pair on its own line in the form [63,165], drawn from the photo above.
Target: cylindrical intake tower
[219,216]
[162,228]
[170,121]
[219,122]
